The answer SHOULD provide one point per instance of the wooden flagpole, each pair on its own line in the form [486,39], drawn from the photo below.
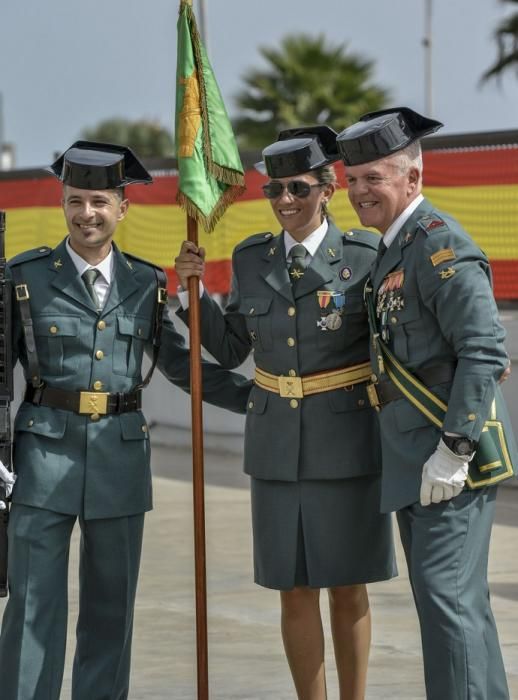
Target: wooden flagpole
[198,476]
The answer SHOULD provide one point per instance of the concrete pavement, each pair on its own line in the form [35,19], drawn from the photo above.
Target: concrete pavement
[246,660]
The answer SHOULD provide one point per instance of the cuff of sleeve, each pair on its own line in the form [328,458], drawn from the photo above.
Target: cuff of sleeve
[183,295]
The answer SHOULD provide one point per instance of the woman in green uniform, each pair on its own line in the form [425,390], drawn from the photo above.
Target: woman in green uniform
[311,441]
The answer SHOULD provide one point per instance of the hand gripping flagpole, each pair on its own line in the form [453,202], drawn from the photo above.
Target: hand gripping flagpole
[210,179]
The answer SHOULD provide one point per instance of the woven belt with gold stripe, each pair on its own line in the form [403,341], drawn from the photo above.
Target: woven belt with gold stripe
[298,387]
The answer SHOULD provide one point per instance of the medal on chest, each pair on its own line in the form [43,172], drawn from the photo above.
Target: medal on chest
[390,294]
[331,309]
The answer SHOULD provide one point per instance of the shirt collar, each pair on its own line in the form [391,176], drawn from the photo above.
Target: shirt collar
[310,243]
[395,226]
[105,267]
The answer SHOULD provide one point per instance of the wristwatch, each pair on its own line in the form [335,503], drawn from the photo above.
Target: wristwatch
[459,445]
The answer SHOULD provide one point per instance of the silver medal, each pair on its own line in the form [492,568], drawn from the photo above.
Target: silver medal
[333,321]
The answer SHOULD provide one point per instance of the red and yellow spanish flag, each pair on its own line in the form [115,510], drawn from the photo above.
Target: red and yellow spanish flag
[210,172]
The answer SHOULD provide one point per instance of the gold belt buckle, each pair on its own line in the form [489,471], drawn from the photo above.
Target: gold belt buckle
[93,402]
[373,396]
[290,387]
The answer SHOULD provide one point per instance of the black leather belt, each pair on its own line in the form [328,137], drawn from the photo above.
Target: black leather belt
[84,402]
[386,391]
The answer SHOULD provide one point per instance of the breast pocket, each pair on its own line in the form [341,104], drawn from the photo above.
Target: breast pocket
[256,312]
[402,324]
[345,324]
[128,346]
[56,343]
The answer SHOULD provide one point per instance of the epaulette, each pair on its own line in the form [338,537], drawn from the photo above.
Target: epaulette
[432,223]
[254,240]
[140,260]
[29,255]
[366,238]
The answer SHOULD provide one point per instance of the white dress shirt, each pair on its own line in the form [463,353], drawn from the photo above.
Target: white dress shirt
[105,267]
[394,227]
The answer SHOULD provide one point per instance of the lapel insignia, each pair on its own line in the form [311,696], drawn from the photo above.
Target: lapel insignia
[130,265]
[253,336]
[272,251]
[331,252]
[446,274]
[296,274]
[58,263]
[442,256]
[346,273]
[330,315]
[408,237]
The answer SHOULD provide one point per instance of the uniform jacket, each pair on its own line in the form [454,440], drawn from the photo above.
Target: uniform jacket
[441,310]
[331,435]
[65,461]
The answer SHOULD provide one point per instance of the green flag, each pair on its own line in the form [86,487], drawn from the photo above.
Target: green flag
[210,171]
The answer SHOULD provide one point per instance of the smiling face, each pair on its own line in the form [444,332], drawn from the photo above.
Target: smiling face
[300,216]
[92,217]
[381,190]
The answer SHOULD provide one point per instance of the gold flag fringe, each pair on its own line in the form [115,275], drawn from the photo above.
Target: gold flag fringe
[209,222]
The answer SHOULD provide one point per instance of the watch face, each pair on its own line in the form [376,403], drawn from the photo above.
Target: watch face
[463,447]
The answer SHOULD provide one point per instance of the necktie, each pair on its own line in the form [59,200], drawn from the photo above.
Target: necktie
[89,277]
[298,262]
[382,249]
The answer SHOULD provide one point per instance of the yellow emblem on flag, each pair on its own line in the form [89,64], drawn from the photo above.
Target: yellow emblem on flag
[190,116]
[442,256]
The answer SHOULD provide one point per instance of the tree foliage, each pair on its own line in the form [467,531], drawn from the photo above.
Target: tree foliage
[146,138]
[506,36]
[307,81]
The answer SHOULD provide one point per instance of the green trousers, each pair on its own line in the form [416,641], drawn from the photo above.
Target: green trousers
[446,547]
[34,626]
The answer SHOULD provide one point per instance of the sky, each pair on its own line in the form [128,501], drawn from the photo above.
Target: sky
[66,65]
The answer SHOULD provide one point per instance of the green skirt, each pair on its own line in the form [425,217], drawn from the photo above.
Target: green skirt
[320,533]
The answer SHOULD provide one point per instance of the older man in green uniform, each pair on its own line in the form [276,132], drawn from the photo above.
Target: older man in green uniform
[85,315]
[434,319]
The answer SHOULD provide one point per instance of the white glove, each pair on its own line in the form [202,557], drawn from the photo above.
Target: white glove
[444,475]
[8,478]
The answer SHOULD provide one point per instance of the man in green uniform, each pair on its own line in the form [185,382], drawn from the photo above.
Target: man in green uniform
[85,314]
[435,312]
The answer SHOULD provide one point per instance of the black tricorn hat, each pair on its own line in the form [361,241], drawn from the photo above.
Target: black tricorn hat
[380,134]
[89,165]
[299,150]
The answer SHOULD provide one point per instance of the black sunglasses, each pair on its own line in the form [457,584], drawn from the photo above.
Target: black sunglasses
[297,188]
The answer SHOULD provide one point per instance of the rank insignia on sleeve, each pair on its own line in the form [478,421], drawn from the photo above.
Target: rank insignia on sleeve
[442,256]
[446,274]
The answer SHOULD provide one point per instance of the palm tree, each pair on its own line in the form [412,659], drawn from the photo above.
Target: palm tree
[146,138]
[506,35]
[308,81]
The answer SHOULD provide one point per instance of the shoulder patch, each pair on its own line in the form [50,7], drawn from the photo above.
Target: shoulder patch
[28,255]
[362,237]
[431,223]
[256,239]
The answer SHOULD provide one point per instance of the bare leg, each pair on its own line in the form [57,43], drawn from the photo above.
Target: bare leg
[303,638]
[351,628]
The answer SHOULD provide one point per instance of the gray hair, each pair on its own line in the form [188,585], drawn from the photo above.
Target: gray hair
[409,157]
